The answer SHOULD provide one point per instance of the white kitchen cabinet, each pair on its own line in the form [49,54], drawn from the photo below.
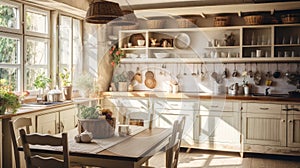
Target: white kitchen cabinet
[255,43]
[167,111]
[67,119]
[264,124]
[217,125]
[1,143]
[47,123]
[293,126]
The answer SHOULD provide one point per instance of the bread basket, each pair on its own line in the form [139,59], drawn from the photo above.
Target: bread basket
[155,24]
[221,21]
[186,22]
[289,18]
[253,19]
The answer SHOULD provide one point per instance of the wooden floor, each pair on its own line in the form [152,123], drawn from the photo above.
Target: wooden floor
[211,159]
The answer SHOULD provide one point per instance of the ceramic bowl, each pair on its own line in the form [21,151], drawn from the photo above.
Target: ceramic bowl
[162,55]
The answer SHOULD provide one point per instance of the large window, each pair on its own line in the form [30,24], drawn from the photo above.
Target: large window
[21,60]
[70,44]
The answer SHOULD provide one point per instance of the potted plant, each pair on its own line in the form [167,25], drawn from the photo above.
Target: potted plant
[245,84]
[41,82]
[8,100]
[96,120]
[121,81]
[66,83]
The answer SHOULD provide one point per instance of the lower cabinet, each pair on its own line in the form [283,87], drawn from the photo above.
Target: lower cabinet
[271,128]
[57,121]
[1,143]
[217,126]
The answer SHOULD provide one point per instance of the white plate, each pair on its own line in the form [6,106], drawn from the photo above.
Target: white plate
[182,41]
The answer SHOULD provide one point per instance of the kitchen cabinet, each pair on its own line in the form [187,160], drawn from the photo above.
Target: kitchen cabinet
[1,143]
[217,125]
[256,43]
[271,128]
[167,111]
[57,121]
[293,126]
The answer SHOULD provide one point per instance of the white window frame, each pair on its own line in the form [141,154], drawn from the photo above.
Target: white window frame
[20,16]
[45,66]
[18,65]
[37,11]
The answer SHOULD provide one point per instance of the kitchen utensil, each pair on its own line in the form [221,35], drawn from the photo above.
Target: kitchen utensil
[277,73]
[257,76]
[225,73]
[150,83]
[235,73]
[149,74]
[250,72]
[182,41]
[268,81]
[138,75]
[194,73]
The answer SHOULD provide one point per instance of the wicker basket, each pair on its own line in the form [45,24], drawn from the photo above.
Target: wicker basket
[221,21]
[289,18]
[186,23]
[100,128]
[155,24]
[253,19]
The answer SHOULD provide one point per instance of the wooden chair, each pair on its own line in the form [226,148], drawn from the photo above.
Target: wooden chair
[173,147]
[172,153]
[42,139]
[14,127]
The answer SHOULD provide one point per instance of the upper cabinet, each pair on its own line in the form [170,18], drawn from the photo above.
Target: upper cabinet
[250,43]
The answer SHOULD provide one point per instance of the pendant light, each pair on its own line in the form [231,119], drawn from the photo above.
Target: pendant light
[102,12]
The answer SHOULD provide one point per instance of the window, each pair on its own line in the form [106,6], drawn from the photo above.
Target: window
[21,60]
[70,44]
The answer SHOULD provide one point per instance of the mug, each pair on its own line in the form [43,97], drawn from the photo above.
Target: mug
[258,53]
[123,130]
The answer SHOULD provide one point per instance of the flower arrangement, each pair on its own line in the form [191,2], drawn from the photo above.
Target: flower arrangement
[116,55]
[8,100]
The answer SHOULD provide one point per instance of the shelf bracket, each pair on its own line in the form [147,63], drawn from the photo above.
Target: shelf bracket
[239,13]
[202,15]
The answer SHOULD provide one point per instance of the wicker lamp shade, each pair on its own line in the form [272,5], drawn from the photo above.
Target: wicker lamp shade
[127,19]
[102,12]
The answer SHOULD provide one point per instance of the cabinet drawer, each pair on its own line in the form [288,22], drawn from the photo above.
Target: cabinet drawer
[218,105]
[135,103]
[262,108]
[175,105]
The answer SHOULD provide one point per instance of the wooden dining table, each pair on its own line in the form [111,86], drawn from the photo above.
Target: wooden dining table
[130,151]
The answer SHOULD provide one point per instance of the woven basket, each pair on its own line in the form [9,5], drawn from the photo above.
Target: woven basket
[155,24]
[253,19]
[289,18]
[221,21]
[100,128]
[186,23]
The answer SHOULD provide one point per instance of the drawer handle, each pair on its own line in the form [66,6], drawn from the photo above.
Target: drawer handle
[290,121]
[214,106]
[264,108]
[283,120]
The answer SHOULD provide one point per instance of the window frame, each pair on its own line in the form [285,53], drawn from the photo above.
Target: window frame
[20,15]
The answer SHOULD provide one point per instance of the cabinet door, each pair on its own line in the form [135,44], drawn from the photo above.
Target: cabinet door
[220,127]
[1,143]
[264,129]
[67,120]
[47,123]
[294,130]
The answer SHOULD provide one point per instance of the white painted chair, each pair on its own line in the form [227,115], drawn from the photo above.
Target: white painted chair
[14,127]
[45,139]
[139,118]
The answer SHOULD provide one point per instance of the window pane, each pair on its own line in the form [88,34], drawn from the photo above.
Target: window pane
[36,52]
[11,76]
[77,46]
[36,22]
[30,75]
[9,50]
[9,16]
[65,40]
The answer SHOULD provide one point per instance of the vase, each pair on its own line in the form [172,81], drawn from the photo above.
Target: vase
[246,90]
[67,92]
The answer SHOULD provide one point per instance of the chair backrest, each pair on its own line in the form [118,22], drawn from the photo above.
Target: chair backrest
[14,127]
[173,149]
[139,118]
[45,139]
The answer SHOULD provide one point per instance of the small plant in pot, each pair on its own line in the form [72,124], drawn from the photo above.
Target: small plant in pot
[96,120]
[66,83]
[41,82]
[8,100]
